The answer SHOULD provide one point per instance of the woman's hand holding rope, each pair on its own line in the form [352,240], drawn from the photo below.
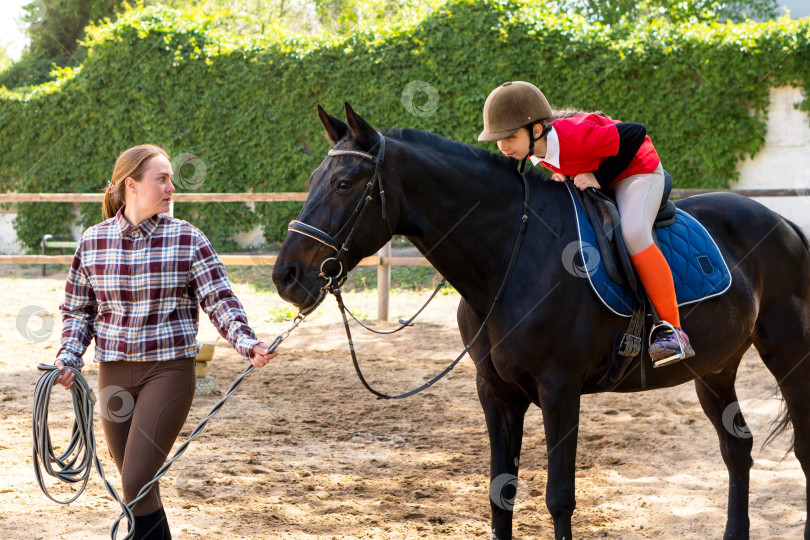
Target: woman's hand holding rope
[261,355]
[67,376]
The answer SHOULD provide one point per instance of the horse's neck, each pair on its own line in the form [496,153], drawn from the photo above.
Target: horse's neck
[464,218]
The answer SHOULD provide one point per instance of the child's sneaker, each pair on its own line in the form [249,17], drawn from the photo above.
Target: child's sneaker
[671,344]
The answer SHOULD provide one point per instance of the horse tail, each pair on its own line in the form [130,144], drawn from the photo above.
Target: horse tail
[782,423]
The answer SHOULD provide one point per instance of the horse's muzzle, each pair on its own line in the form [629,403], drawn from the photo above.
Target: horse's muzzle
[305,292]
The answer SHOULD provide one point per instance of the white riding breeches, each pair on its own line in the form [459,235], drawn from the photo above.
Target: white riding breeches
[639,198]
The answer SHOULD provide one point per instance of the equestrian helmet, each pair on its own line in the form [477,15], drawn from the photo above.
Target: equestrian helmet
[511,106]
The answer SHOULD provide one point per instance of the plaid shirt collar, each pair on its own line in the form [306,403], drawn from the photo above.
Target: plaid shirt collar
[146,227]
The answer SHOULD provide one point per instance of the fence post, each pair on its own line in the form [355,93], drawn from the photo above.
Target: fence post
[383,282]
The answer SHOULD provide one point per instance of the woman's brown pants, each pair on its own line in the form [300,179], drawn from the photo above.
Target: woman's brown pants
[143,407]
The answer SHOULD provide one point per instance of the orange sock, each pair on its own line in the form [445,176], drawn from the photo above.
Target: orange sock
[656,277]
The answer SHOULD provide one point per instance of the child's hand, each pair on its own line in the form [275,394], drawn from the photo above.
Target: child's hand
[585,180]
[559,177]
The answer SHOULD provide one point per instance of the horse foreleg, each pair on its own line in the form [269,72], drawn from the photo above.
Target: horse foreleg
[719,402]
[560,404]
[505,426]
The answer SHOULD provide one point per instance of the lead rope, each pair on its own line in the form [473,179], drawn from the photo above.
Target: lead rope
[82,445]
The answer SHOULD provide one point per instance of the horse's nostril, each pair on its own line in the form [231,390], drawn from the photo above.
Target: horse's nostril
[290,276]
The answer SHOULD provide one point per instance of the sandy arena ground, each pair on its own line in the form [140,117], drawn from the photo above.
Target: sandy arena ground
[302,451]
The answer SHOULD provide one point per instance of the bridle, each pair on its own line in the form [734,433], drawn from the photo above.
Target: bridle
[334,282]
[328,240]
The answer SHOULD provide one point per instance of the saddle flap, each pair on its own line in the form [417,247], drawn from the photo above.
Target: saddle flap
[609,237]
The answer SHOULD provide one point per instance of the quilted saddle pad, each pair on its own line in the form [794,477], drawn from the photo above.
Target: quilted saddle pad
[698,268]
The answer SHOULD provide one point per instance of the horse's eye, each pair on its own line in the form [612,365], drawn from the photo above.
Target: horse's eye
[343,186]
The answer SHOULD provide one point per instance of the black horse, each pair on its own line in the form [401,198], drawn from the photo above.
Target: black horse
[549,339]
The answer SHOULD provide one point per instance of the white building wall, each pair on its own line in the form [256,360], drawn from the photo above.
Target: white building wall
[8,236]
[784,162]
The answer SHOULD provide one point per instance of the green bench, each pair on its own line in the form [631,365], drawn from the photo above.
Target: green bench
[49,242]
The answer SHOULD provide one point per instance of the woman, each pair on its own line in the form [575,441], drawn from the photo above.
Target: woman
[596,151]
[134,285]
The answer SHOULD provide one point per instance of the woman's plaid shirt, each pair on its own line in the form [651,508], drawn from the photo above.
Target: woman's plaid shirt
[136,290]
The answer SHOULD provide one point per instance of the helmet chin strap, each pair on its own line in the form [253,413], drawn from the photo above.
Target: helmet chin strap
[532,140]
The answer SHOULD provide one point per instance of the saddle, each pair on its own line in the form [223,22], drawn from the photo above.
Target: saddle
[699,270]
[602,212]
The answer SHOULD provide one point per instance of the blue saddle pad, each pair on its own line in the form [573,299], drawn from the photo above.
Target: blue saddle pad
[698,268]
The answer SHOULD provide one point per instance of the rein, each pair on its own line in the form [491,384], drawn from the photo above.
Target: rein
[334,282]
[82,446]
[402,322]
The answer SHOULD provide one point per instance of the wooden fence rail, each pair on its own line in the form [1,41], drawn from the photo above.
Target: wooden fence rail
[230,260]
[383,261]
[178,197]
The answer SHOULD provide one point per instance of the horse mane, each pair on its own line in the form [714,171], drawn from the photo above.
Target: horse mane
[458,149]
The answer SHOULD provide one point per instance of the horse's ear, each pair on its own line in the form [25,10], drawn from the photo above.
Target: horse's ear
[362,133]
[335,128]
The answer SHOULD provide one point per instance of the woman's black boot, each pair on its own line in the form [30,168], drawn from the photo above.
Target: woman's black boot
[167,534]
[150,526]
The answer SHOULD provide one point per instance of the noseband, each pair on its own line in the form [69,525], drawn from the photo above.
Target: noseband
[354,220]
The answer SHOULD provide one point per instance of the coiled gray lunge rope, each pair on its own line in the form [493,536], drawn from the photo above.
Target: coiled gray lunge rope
[82,446]
[75,463]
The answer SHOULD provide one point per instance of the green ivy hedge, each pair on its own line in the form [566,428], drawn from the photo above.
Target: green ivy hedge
[246,107]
